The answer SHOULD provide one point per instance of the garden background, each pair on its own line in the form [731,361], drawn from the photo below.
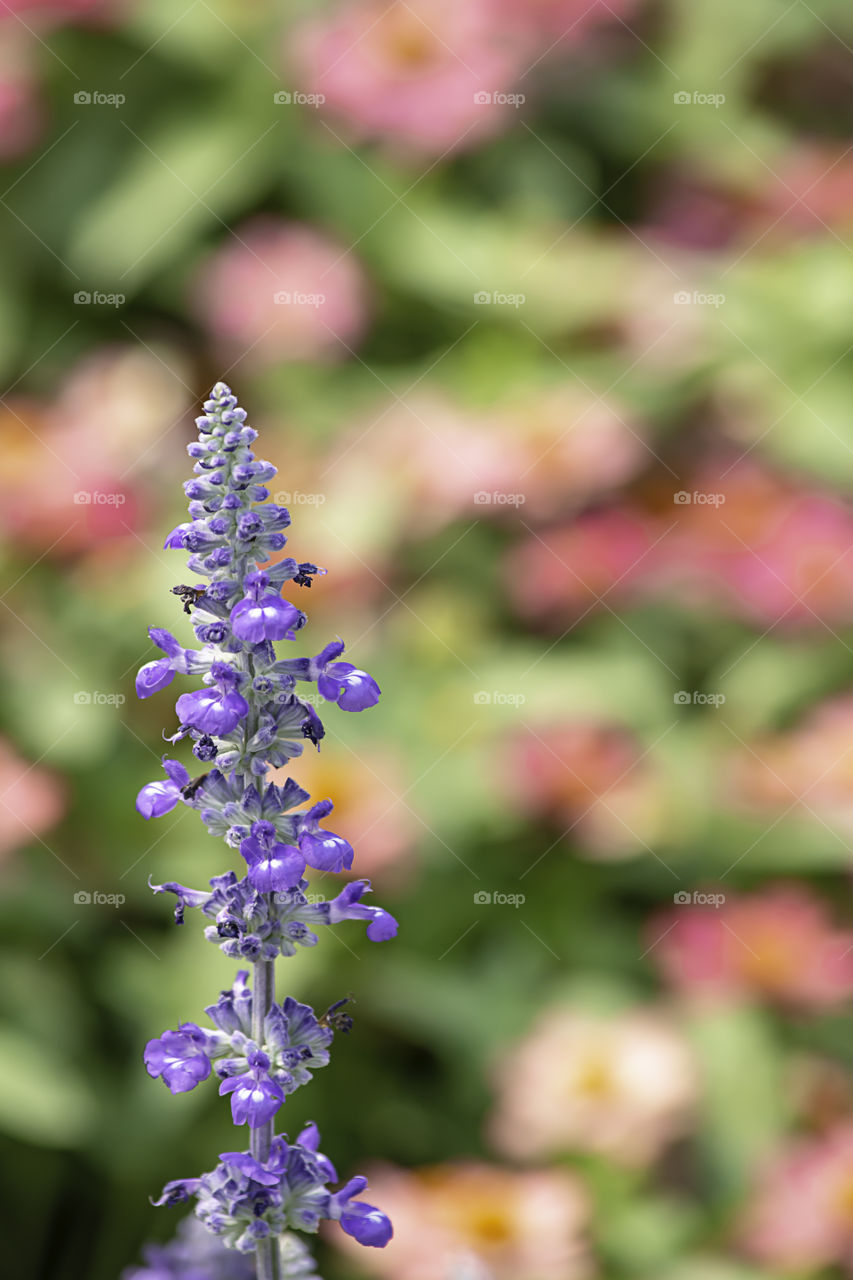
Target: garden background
[545,313]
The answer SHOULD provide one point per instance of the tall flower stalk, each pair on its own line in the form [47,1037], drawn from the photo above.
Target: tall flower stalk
[246,719]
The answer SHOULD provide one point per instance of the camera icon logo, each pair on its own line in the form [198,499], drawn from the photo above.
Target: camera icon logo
[682,698]
[682,898]
[82,898]
[282,298]
[482,898]
[83,698]
[482,698]
[682,298]
[82,97]
[681,99]
[82,298]
[282,97]
[682,498]
[482,298]
[482,98]
[482,498]
[82,498]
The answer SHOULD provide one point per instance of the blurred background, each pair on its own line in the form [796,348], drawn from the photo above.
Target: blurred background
[544,310]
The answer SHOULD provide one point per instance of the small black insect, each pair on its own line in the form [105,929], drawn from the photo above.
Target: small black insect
[190,596]
[189,791]
[335,1019]
[303,577]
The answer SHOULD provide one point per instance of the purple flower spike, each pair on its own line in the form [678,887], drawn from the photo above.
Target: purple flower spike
[242,718]
[255,1097]
[351,688]
[273,867]
[178,1058]
[157,798]
[367,1224]
[153,677]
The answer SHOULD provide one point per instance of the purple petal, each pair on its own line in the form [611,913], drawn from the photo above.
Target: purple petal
[153,677]
[324,851]
[354,689]
[269,618]
[367,1224]
[157,798]
[277,869]
[177,772]
[176,537]
[212,712]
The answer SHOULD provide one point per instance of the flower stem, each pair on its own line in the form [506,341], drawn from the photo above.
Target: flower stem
[263,994]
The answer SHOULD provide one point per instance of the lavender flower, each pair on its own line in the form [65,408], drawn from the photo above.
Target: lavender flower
[245,719]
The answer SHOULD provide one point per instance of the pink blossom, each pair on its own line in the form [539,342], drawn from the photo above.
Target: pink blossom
[474,1221]
[574,448]
[622,1085]
[31,800]
[57,10]
[566,21]
[76,469]
[590,778]
[21,110]
[807,768]
[563,572]
[279,291]
[421,74]
[765,547]
[779,944]
[801,1218]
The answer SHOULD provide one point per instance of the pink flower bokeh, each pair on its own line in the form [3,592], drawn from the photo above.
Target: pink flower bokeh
[32,800]
[801,1219]
[778,944]
[564,572]
[622,1086]
[805,770]
[279,291]
[421,75]
[481,1222]
[589,778]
